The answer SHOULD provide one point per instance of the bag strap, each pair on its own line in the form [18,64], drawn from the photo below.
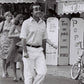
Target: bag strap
[2,26]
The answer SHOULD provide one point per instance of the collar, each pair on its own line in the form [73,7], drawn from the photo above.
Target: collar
[33,20]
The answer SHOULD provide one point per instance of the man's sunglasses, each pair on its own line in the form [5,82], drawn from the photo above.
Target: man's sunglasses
[36,8]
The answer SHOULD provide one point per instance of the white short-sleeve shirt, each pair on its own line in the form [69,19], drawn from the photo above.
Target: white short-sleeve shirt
[33,32]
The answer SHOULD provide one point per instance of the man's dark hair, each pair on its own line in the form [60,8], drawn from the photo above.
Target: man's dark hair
[31,7]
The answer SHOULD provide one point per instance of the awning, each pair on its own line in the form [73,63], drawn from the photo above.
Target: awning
[70,7]
[47,1]
[17,1]
[68,0]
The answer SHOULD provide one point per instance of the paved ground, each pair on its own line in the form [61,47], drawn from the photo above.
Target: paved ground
[55,75]
[60,71]
[52,70]
[48,80]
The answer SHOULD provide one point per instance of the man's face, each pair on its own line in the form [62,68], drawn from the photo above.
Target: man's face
[36,10]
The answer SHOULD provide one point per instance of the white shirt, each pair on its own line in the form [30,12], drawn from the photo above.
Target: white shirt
[33,32]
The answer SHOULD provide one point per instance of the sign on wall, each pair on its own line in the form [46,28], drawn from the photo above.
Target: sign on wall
[76,35]
[64,41]
[52,31]
[70,7]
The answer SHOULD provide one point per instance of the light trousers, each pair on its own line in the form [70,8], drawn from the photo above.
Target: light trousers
[35,63]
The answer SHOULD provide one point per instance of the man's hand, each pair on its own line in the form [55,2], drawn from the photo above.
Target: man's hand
[26,55]
[54,46]
[50,43]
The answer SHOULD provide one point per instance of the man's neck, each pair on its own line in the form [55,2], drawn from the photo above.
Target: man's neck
[36,19]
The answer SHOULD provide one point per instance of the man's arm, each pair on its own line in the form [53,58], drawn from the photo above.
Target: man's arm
[24,48]
[50,43]
[45,37]
[23,36]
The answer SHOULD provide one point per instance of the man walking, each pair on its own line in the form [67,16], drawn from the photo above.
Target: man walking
[32,33]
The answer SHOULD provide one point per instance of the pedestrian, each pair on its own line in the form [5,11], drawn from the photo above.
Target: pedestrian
[5,42]
[14,15]
[14,55]
[33,31]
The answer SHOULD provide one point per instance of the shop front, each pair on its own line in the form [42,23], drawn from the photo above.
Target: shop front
[65,32]
[74,9]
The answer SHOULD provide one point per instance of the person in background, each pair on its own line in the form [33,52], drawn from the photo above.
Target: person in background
[2,18]
[14,55]
[14,15]
[5,42]
[33,31]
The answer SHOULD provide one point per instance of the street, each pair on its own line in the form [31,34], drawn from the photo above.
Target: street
[48,80]
[55,75]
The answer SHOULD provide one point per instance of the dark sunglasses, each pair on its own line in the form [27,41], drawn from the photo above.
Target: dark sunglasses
[36,8]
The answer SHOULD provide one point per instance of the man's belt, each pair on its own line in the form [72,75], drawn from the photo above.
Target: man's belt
[33,46]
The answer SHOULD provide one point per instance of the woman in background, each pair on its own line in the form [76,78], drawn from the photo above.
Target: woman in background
[14,55]
[5,42]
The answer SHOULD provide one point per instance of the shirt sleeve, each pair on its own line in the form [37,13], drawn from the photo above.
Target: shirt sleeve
[23,33]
